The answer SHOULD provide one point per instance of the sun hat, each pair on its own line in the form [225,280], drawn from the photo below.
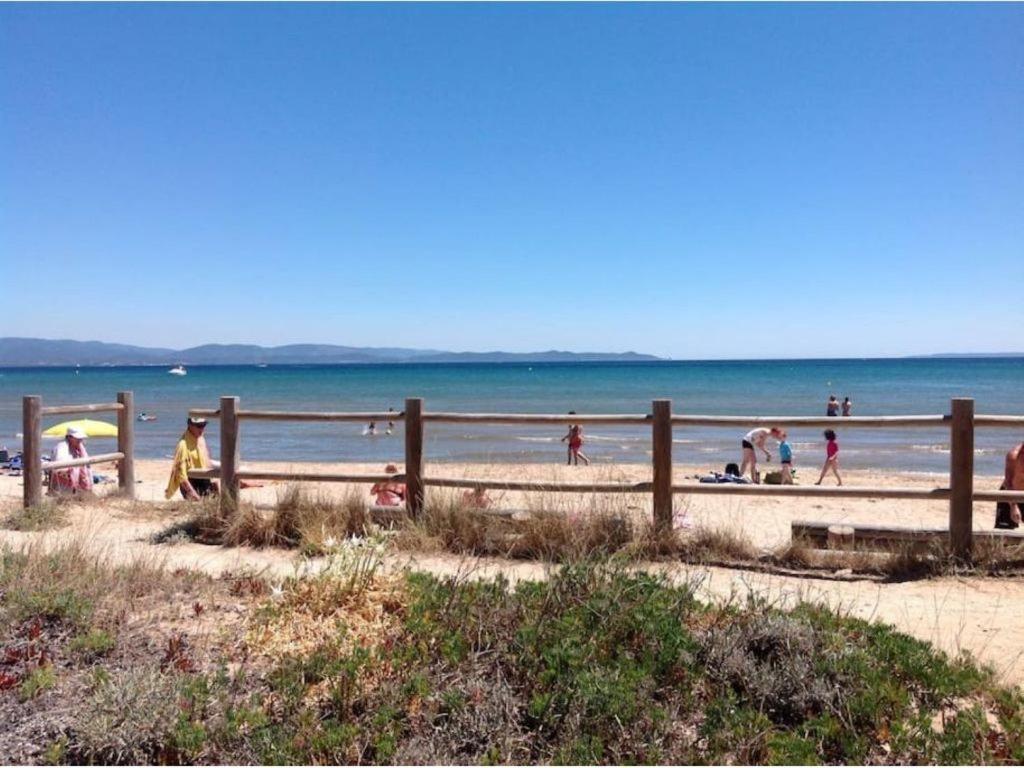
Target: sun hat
[76,433]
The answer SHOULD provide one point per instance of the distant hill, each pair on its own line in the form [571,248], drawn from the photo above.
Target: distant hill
[25,352]
[971,354]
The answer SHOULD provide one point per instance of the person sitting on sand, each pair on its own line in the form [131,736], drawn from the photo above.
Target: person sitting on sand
[191,453]
[847,407]
[389,493]
[753,440]
[832,406]
[575,438]
[786,458]
[72,479]
[476,498]
[1008,514]
[831,457]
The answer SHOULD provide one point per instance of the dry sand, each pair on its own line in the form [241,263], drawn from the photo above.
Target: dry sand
[981,615]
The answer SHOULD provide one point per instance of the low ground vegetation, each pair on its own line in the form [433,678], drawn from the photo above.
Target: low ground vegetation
[352,663]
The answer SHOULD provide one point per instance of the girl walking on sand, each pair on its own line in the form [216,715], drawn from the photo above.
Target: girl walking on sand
[575,438]
[831,457]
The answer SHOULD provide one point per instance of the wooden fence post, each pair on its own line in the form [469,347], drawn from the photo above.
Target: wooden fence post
[661,444]
[126,444]
[229,454]
[31,458]
[414,455]
[961,477]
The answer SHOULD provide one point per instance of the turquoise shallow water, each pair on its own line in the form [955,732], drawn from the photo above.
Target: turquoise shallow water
[785,387]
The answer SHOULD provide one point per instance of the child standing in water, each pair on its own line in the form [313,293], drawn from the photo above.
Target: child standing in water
[786,457]
[831,457]
[575,438]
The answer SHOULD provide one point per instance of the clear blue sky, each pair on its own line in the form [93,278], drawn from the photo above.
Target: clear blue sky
[685,180]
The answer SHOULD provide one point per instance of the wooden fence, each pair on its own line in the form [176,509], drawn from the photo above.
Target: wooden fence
[961,422]
[32,439]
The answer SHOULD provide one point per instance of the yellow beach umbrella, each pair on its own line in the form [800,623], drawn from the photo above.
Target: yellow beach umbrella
[91,427]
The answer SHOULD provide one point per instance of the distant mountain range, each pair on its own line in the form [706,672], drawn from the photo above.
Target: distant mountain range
[25,352]
[974,354]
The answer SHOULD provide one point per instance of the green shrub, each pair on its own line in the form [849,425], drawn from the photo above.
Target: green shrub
[94,643]
[38,680]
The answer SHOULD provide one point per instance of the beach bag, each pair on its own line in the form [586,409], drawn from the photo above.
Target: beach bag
[772,478]
[1003,519]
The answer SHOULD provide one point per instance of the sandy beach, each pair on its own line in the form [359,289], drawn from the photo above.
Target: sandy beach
[975,614]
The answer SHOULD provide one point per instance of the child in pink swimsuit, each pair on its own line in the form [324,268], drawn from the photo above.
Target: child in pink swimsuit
[575,438]
[831,457]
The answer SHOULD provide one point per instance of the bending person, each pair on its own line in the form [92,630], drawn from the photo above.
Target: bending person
[753,441]
[191,453]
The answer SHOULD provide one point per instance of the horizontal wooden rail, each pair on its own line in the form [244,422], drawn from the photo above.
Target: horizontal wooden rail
[838,422]
[204,474]
[534,418]
[319,416]
[100,458]
[989,420]
[520,485]
[1012,496]
[276,474]
[204,413]
[315,477]
[849,492]
[53,410]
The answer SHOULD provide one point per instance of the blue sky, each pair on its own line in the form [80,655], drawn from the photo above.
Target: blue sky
[687,180]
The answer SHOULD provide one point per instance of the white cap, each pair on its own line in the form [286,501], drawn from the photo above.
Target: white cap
[76,433]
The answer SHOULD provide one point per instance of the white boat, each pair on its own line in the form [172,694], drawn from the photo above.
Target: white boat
[178,370]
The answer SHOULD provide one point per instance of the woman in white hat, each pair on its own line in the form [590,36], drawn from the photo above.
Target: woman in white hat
[72,479]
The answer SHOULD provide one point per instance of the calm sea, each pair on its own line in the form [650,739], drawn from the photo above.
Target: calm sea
[791,388]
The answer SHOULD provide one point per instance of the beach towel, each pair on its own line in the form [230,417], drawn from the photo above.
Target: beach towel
[718,477]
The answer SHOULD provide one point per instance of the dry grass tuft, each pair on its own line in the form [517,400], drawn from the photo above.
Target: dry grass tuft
[299,519]
[51,513]
[553,536]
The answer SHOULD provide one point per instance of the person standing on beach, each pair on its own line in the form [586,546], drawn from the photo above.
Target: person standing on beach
[72,479]
[753,441]
[847,407]
[191,453]
[1008,514]
[832,406]
[831,457]
[786,458]
[575,438]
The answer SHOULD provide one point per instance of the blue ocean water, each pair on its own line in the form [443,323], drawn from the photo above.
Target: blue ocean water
[782,387]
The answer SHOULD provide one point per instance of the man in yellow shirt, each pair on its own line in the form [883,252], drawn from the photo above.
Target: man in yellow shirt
[191,453]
